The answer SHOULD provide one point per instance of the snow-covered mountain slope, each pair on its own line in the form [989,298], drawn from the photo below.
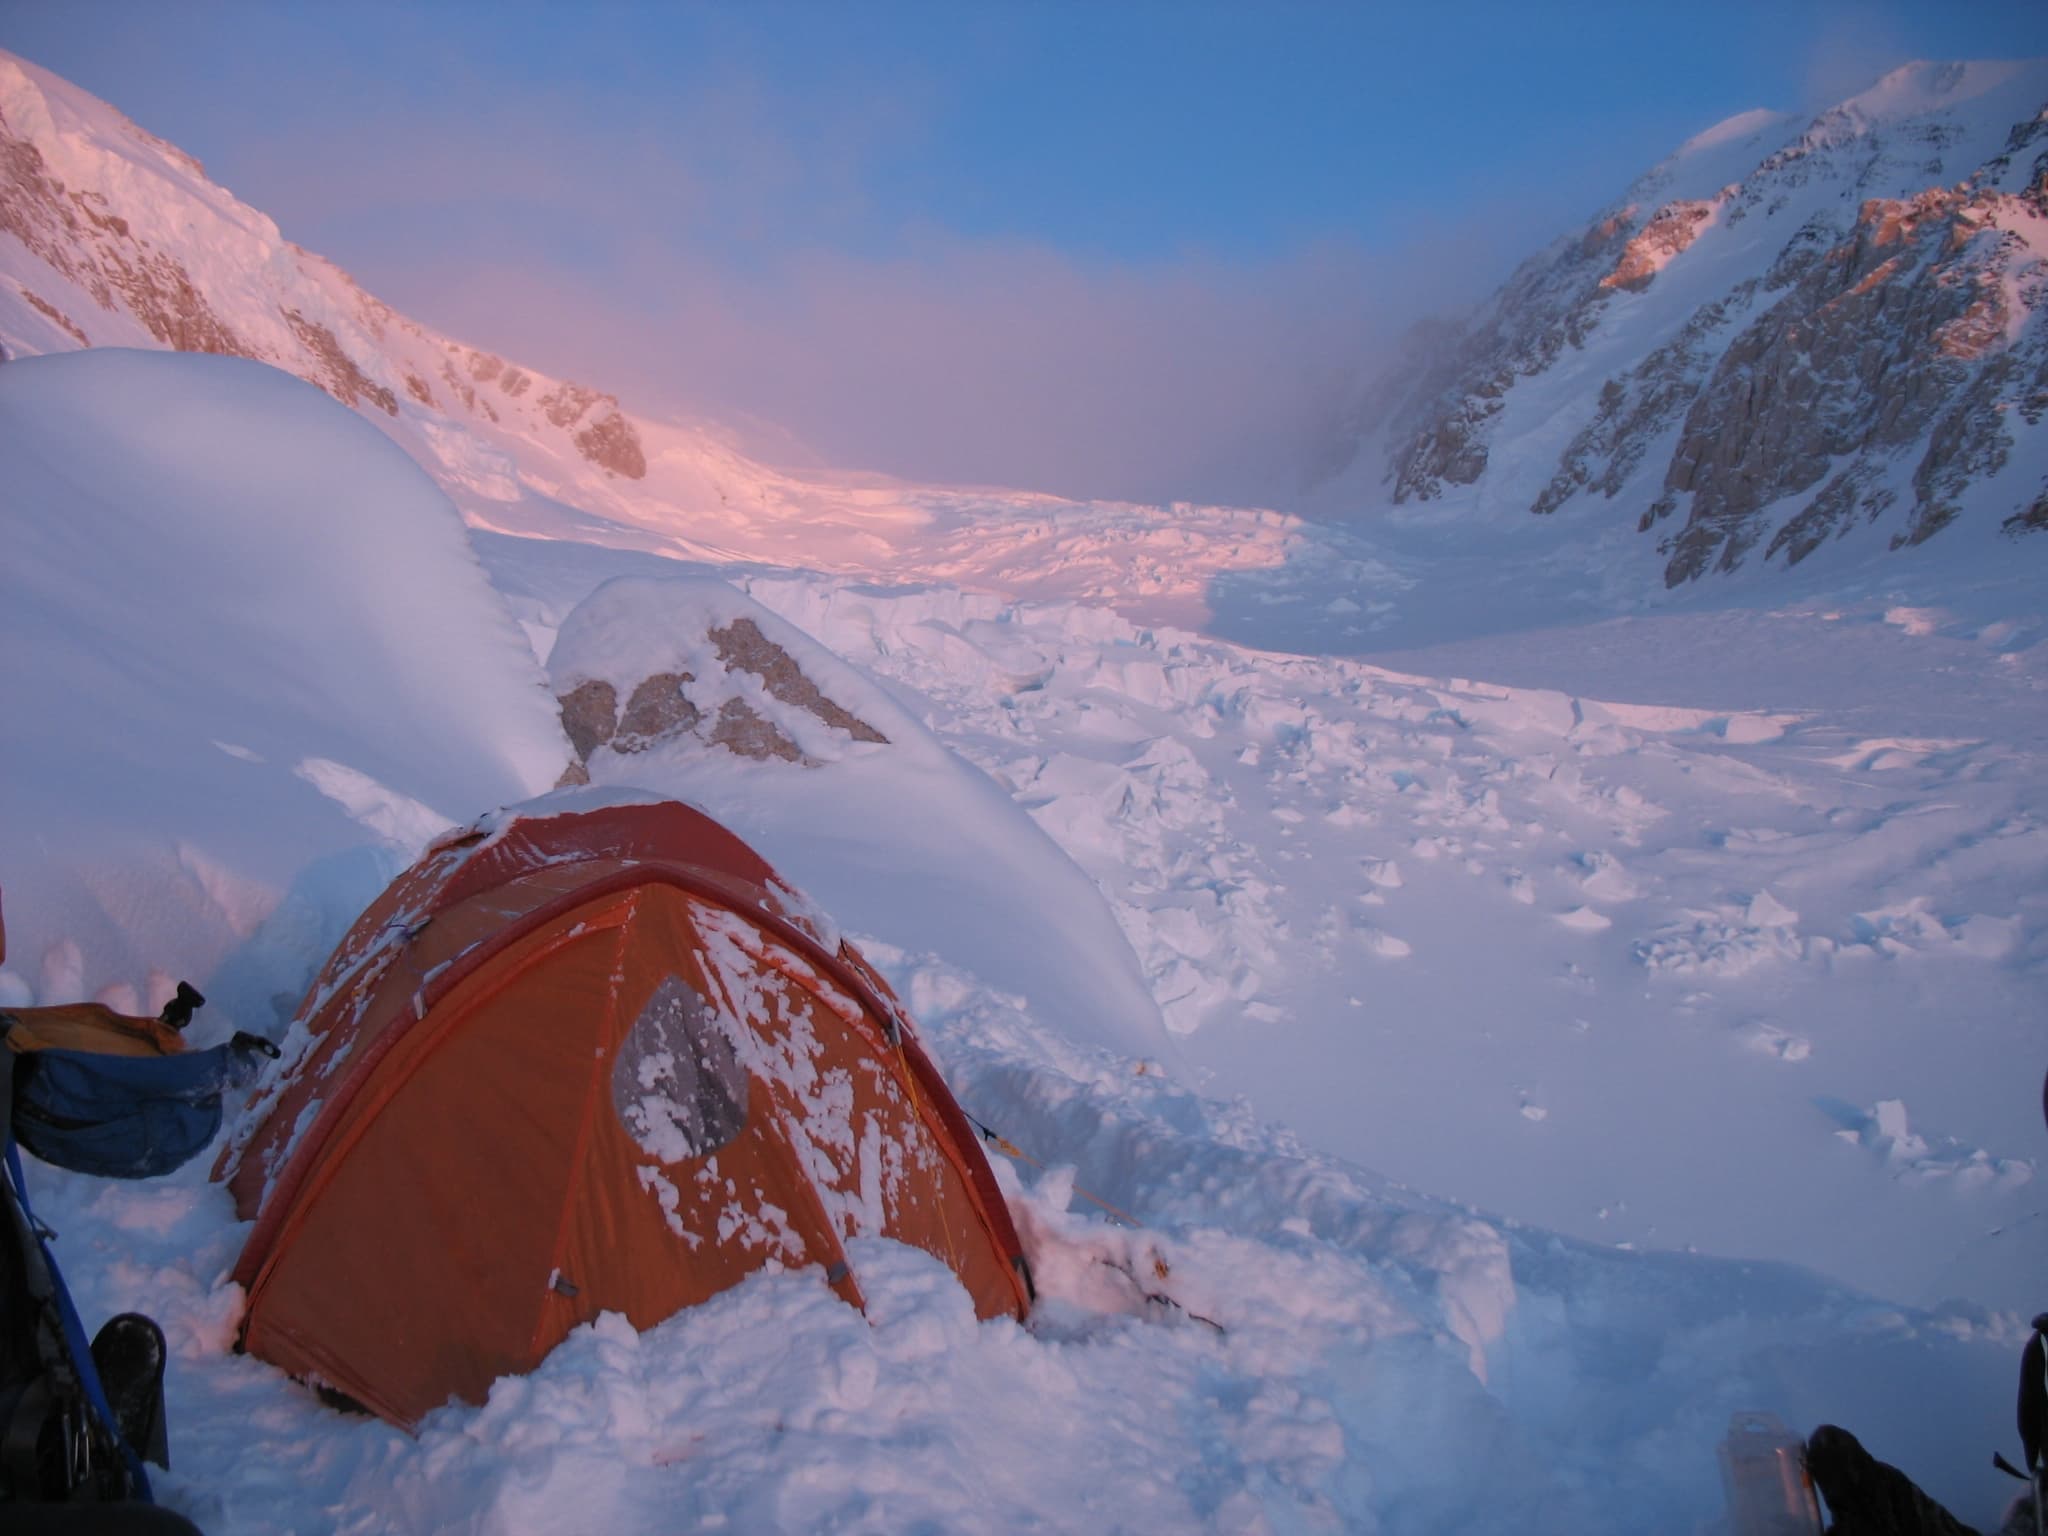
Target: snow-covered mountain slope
[110,237]
[1787,344]
[1785,338]
[1328,1350]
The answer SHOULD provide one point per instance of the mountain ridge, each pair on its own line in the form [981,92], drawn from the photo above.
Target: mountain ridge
[1788,330]
[1847,330]
[118,239]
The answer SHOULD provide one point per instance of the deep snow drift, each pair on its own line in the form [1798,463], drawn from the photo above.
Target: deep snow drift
[1755,980]
[248,650]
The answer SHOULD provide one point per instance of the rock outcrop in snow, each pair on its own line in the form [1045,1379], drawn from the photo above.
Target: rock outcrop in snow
[747,679]
[711,697]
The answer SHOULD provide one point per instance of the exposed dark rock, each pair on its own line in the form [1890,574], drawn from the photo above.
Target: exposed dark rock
[656,711]
[1671,229]
[1549,304]
[741,644]
[56,316]
[378,318]
[1832,512]
[1809,244]
[1657,511]
[566,404]
[87,241]
[1369,397]
[337,372]
[1637,408]
[1968,442]
[463,391]
[743,732]
[590,716]
[601,432]
[611,443]
[75,234]
[1880,363]
[2029,519]
[2022,138]
[1810,528]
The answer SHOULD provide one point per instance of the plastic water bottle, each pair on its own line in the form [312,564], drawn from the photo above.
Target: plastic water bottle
[1763,1475]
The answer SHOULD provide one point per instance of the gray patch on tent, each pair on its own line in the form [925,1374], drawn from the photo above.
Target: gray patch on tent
[677,1083]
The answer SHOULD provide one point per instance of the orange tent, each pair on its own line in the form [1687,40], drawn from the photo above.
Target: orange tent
[597,1060]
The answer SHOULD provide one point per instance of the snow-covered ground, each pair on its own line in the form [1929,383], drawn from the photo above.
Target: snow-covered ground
[1726,938]
[1458,1001]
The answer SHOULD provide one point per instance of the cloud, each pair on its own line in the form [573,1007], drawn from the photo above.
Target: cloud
[994,362]
[722,211]
[738,249]
[1850,50]
[753,287]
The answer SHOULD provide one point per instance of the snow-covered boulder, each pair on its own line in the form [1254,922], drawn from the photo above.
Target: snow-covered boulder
[846,792]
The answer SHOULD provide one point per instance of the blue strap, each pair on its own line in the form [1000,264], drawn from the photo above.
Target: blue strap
[74,1334]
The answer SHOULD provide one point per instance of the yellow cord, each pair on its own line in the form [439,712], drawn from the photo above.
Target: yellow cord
[1010,1149]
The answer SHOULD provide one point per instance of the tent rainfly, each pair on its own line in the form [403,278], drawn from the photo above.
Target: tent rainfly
[590,1057]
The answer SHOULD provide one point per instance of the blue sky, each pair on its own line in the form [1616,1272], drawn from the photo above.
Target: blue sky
[1115,248]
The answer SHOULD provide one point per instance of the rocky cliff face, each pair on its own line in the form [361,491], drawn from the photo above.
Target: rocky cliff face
[1548,306]
[120,240]
[1852,328]
[1907,342]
